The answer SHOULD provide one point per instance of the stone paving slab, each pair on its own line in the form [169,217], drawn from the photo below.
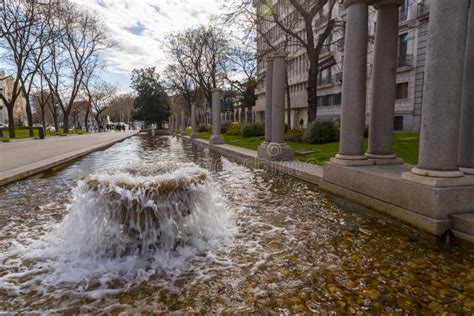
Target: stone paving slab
[22,159]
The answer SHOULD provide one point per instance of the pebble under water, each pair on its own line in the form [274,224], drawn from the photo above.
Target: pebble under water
[157,224]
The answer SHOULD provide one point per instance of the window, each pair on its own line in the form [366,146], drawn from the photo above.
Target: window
[329,100]
[324,77]
[398,123]
[404,10]
[337,99]
[402,50]
[401,91]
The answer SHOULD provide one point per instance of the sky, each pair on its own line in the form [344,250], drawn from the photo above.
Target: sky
[139,28]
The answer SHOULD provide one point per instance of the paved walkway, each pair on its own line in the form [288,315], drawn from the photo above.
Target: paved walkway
[23,158]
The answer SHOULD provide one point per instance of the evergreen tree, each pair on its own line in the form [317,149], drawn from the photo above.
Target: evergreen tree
[152,103]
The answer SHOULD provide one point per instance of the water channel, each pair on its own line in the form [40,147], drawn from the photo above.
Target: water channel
[157,224]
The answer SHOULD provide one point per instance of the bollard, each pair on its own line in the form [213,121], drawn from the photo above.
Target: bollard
[41,132]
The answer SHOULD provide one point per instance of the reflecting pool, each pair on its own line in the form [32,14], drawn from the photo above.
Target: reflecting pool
[157,224]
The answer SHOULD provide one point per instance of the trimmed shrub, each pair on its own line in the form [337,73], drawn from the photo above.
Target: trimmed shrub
[225,127]
[295,135]
[252,130]
[321,132]
[234,129]
[203,128]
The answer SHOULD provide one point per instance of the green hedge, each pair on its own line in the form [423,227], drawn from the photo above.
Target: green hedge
[321,132]
[295,135]
[252,130]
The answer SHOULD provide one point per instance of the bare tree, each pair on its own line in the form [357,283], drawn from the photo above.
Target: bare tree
[245,17]
[201,54]
[90,79]
[308,24]
[179,82]
[101,96]
[23,35]
[42,97]
[82,37]
[121,107]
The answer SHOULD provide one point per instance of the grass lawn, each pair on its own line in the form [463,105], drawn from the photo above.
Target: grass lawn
[24,133]
[405,146]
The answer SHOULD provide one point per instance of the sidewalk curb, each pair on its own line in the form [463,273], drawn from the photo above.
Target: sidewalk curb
[38,167]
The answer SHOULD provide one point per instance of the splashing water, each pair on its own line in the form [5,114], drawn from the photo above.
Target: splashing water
[273,245]
[123,226]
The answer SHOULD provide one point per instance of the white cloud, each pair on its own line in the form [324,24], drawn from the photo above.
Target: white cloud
[139,28]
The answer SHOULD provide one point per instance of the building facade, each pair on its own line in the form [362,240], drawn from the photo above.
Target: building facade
[19,110]
[413,35]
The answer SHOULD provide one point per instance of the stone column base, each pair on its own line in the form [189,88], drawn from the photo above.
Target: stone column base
[437,173]
[351,161]
[279,152]
[467,170]
[216,140]
[437,181]
[384,159]
[262,151]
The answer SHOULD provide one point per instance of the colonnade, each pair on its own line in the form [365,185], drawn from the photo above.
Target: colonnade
[447,127]
[274,146]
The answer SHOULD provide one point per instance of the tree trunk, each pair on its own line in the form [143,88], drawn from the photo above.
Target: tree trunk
[43,118]
[97,119]
[312,91]
[11,122]
[86,119]
[55,119]
[29,116]
[288,97]
[65,122]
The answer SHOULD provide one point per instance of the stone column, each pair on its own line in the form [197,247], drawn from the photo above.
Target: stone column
[193,121]
[277,149]
[383,83]
[183,124]
[177,124]
[466,136]
[440,118]
[354,84]
[262,149]
[216,137]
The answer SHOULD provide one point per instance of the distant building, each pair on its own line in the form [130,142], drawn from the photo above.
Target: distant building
[413,34]
[19,110]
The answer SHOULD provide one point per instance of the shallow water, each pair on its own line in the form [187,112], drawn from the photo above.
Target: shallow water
[264,242]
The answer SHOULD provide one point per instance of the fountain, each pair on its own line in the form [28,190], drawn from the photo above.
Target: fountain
[140,210]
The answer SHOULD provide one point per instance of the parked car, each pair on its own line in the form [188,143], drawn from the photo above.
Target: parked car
[3,125]
[37,125]
[51,129]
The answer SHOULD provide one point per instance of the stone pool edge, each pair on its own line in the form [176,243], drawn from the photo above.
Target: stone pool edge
[437,228]
[32,169]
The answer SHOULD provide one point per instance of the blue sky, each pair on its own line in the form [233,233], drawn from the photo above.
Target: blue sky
[139,28]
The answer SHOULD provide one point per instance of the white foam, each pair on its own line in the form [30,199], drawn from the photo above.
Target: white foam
[92,250]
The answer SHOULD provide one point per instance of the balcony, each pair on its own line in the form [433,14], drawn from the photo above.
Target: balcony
[405,61]
[422,9]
